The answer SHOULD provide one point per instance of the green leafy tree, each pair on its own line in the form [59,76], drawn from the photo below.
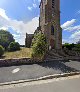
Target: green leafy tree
[5,38]
[1,50]
[17,46]
[69,46]
[14,46]
[39,46]
[77,47]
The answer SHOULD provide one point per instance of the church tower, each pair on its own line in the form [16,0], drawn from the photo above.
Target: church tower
[50,22]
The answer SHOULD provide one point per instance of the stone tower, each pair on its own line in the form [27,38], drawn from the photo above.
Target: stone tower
[28,40]
[50,22]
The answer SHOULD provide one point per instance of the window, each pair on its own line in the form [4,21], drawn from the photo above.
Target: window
[52,30]
[52,3]
[53,8]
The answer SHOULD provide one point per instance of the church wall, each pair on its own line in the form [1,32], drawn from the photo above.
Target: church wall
[28,40]
[52,17]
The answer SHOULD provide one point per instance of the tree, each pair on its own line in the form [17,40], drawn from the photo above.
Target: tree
[5,38]
[69,46]
[1,50]
[39,46]
[77,47]
[14,46]
[78,42]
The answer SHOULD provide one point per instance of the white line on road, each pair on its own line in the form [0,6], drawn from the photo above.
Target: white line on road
[16,70]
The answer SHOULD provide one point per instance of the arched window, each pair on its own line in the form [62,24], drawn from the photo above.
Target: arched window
[52,30]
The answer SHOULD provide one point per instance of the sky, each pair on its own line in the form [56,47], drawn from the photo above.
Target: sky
[21,16]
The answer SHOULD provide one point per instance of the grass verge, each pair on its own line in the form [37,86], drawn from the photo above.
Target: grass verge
[23,53]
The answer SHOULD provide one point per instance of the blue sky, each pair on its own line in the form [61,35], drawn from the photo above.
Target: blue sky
[21,16]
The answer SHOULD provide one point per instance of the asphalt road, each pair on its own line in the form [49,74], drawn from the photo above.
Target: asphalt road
[68,85]
[24,72]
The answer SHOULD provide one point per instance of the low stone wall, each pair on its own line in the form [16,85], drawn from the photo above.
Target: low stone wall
[24,61]
[20,61]
[72,53]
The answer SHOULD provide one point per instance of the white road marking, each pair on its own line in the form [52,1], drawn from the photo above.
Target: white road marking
[16,70]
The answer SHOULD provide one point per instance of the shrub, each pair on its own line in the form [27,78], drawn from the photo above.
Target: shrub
[5,38]
[14,46]
[39,46]
[17,46]
[1,50]
[77,47]
[68,46]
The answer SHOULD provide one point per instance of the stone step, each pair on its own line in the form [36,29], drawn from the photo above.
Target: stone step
[55,54]
[50,59]
[53,57]
[59,55]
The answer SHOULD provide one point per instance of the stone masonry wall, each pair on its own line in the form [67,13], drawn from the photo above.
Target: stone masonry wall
[21,61]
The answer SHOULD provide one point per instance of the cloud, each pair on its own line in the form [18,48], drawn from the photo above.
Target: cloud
[3,14]
[75,37]
[34,5]
[18,26]
[64,41]
[68,24]
[74,30]
[29,8]
[4,28]
[75,34]
[36,0]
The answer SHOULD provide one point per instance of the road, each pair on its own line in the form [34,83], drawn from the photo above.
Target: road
[68,85]
[24,72]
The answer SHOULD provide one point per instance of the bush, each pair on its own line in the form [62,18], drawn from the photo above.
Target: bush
[77,47]
[39,46]
[68,46]
[1,50]
[13,46]
[17,46]
[5,38]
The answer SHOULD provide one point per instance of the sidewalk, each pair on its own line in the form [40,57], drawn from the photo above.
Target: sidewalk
[57,85]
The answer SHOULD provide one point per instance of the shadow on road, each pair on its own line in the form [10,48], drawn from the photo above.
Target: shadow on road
[58,65]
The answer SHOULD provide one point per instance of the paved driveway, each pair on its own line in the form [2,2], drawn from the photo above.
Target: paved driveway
[24,72]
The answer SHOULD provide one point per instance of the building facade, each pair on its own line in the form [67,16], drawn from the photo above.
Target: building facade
[50,22]
[28,40]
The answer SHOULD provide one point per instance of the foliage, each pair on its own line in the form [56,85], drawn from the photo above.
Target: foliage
[5,38]
[14,46]
[69,46]
[1,50]
[39,46]
[74,47]
[77,47]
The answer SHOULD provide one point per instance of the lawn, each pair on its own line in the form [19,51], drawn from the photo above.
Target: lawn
[23,53]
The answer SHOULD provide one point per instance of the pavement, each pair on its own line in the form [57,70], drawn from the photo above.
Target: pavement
[33,71]
[71,84]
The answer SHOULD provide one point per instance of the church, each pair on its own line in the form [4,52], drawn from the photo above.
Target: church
[49,24]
